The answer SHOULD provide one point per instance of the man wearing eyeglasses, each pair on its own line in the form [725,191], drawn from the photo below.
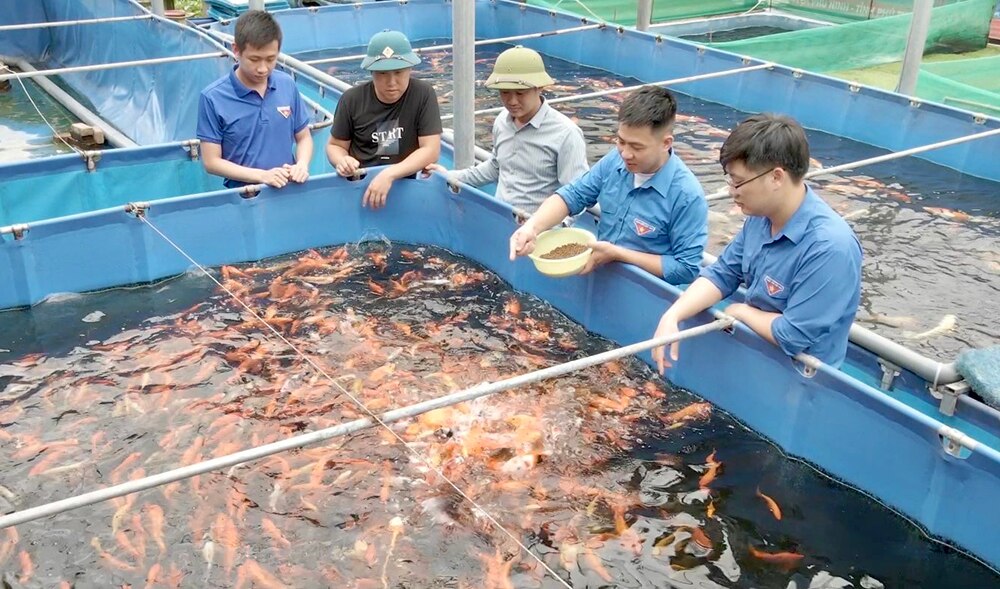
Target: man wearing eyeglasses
[800,261]
[536,149]
[392,120]
[653,210]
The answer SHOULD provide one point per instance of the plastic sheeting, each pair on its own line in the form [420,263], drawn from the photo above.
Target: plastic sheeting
[151,104]
[891,450]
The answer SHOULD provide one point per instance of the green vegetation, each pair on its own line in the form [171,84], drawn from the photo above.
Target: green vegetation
[192,7]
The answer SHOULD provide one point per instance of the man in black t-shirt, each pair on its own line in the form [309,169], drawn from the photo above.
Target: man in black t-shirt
[392,120]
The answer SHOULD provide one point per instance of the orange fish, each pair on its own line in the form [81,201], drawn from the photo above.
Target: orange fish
[272,530]
[710,474]
[376,287]
[225,533]
[701,538]
[784,560]
[512,307]
[949,214]
[27,567]
[772,505]
[155,514]
[594,562]
[689,413]
[153,575]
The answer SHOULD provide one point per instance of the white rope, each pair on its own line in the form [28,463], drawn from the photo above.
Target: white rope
[39,111]
[937,376]
[582,5]
[358,402]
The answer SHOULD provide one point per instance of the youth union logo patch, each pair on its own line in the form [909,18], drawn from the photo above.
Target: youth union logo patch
[285,111]
[773,286]
[642,228]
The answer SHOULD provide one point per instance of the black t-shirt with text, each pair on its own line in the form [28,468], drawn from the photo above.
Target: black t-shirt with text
[384,134]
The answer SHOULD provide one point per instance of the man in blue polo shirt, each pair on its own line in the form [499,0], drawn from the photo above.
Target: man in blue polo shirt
[800,260]
[249,119]
[653,210]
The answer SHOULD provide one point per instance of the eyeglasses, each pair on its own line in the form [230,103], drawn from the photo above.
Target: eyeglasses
[729,180]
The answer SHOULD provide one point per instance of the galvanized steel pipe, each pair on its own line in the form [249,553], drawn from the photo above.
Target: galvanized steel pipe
[418,50]
[71,23]
[695,78]
[109,66]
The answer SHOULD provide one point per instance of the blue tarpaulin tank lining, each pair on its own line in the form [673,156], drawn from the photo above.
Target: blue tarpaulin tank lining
[151,104]
[849,429]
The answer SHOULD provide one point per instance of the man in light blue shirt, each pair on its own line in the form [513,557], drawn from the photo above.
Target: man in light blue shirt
[653,210]
[250,119]
[800,261]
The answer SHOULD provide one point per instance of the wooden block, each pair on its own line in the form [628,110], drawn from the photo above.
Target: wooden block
[98,137]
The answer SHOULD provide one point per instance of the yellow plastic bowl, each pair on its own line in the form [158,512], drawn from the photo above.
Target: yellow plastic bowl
[553,238]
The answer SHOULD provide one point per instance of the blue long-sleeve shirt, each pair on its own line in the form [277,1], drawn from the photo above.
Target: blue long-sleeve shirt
[667,215]
[810,272]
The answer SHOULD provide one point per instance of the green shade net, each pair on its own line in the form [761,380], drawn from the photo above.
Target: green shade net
[623,12]
[962,26]
[972,84]
[840,11]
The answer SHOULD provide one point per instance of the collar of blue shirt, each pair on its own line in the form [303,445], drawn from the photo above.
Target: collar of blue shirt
[795,228]
[241,89]
[663,177]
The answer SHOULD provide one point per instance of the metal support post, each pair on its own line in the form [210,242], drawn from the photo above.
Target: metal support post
[644,15]
[920,22]
[463,75]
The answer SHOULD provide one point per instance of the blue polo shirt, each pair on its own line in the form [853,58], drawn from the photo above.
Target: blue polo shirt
[667,215]
[810,272]
[254,131]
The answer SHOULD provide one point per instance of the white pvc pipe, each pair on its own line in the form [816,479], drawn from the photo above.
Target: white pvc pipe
[109,66]
[695,78]
[477,43]
[70,23]
[724,193]
[257,5]
[157,7]
[230,460]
